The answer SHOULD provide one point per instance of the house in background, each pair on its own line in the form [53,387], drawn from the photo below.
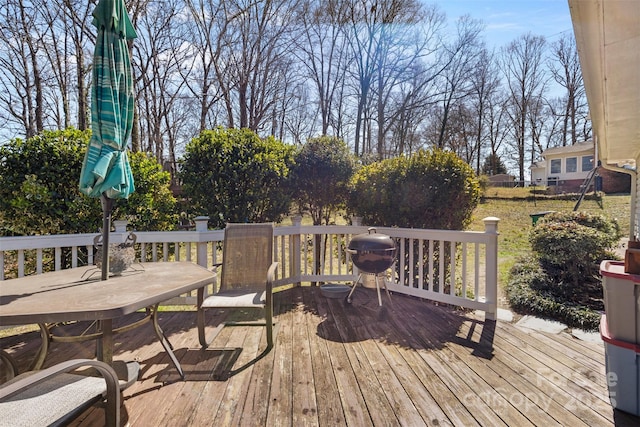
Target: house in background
[567,169]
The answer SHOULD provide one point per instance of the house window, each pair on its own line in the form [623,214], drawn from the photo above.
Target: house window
[572,164]
[587,163]
[555,165]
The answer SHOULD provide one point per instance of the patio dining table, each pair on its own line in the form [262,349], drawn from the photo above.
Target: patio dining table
[79,294]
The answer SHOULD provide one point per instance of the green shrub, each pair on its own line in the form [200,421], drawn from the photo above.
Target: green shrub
[232,175]
[609,227]
[561,280]
[152,207]
[320,177]
[431,189]
[531,291]
[571,246]
[39,192]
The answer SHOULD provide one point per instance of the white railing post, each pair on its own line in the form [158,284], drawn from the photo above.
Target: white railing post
[120,225]
[491,267]
[295,254]
[356,221]
[201,248]
[119,231]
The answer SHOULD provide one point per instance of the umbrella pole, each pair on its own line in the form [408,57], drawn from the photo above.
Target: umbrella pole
[107,207]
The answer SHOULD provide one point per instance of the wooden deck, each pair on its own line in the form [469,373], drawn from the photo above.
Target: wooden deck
[409,363]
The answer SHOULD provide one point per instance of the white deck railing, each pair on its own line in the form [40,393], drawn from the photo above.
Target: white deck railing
[452,267]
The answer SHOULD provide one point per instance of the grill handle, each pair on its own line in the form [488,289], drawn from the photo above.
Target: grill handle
[356,251]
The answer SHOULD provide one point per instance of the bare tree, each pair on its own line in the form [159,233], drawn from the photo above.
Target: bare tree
[405,84]
[566,71]
[66,44]
[57,50]
[415,101]
[387,39]
[296,115]
[21,66]
[322,50]
[158,55]
[380,74]
[82,35]
[525,78]
[461,57]
[498,123]
[485,83]
[255,50]
[550,122]
[537,117]
[461,133]
[206,74]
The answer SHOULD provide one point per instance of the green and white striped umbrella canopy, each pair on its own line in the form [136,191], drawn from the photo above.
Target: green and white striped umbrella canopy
[106,170]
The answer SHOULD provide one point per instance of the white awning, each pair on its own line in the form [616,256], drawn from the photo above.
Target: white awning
[608,38]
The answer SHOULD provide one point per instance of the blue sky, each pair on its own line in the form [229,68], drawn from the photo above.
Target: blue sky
[505,20]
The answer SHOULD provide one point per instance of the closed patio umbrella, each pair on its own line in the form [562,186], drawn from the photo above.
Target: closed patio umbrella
[106,172]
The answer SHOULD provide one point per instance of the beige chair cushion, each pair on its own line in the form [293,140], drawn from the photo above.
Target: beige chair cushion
[47,402]
[235,299]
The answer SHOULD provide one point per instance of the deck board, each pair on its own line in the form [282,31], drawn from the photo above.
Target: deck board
[330,411]
[407,363]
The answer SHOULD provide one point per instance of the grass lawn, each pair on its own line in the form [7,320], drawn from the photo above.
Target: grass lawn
[514,205]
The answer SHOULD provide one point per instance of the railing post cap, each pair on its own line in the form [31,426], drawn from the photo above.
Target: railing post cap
[491,224]
[120,225]
[296,220]
[201,222]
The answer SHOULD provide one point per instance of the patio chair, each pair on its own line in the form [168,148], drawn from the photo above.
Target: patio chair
[246,279]
[57,395]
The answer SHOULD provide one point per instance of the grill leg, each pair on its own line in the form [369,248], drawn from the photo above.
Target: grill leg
[378,289]
[353,288]
[384,283]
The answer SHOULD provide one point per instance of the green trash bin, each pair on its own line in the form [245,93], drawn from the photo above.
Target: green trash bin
[536,216]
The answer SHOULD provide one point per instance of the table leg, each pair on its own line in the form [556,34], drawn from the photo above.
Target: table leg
[165,342]
[104,345]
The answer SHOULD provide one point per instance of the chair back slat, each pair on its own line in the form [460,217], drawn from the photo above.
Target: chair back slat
[247,255]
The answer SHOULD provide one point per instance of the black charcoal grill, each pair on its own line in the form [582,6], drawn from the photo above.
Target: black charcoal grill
[373,254]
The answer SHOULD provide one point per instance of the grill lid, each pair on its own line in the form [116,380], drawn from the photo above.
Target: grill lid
[371,241]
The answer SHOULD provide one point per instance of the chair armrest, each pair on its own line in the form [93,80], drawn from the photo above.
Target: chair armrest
[271,275]
[112,407]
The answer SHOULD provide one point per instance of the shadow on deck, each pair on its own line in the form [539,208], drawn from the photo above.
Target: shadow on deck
[407,363]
